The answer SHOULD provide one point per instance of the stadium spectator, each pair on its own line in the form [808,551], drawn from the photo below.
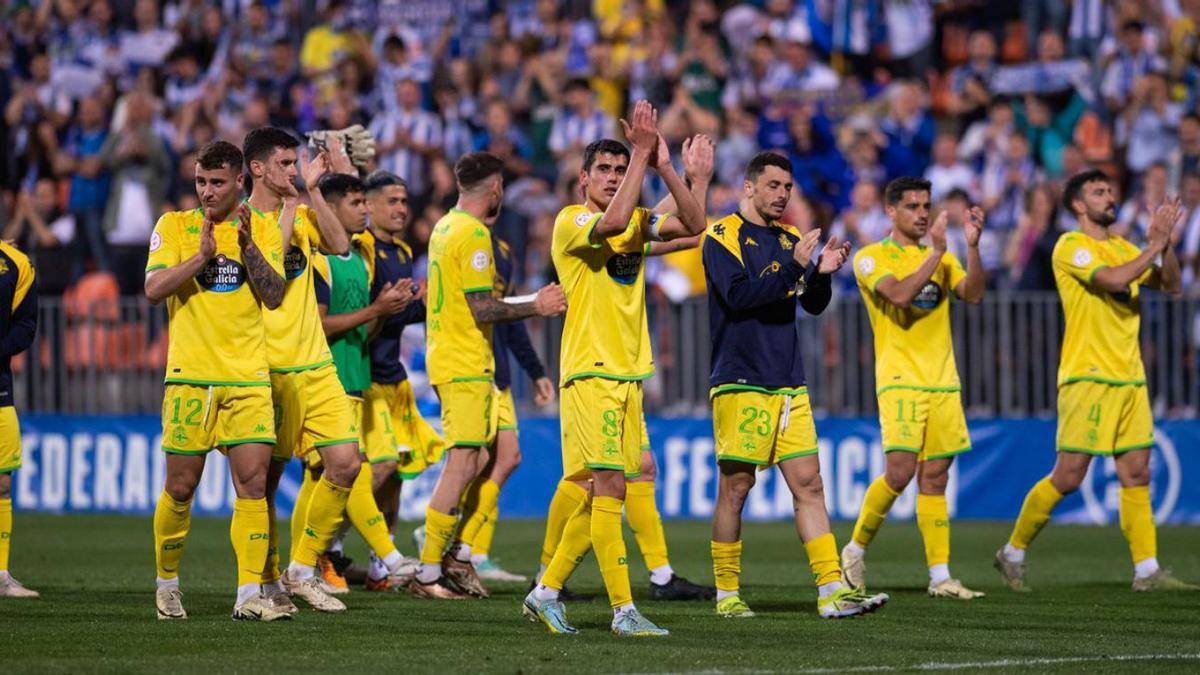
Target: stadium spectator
[970,96]
[1147,127]
[408,138]
[947,172]
[579,121]
[1027,257]
[1133,219]
[909,131]
[1132,60]
[1004,179]
[80,161]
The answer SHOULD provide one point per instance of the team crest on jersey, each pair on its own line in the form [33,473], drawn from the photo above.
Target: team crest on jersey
[866,265]
[155,242]
[479,260]
[1082,258]
[785,242]
[929,297]
[624,267]
[294,263]
[221,275]
[582,218]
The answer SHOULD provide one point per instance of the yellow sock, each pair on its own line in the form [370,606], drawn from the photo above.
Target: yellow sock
[567,498]
[6,521]
[1137,523]
[823,559]
[300,512]
[575,542]
[609,543]
[483,541]
[489,496]
[248,530]
[325,513]
[439,529]
[876,504]
[172,520]
[933,520]
[1035,513]
[271,569]
[365,516]
[727,564]
[646,524]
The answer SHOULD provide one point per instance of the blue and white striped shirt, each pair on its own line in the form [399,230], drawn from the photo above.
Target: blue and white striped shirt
[571,131]
[422,127]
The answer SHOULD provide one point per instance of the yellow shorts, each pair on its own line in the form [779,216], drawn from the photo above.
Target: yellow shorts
[600,427]
[929,423]
[506,411]
[470,413]
[394,430]
[10,440]
[645,436]
[311,411]
[198,418]
[763,428]
[1104,419]
[356,413]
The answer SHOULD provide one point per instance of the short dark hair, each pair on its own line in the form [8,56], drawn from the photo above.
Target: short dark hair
[220,154]
[260,143]
[895,190]
[957,193]
[607,146]
[381,179]
[576,83]
[475,167]
[762,160]
[393,41]
[1074,186]
[335,186]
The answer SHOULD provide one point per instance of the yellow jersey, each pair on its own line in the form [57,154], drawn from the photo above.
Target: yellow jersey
[295,339]
[459,349]
[215,319]
[605,333]
[1101,339]
[913,347]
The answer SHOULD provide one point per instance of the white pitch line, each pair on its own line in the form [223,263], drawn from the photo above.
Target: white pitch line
[1004,663]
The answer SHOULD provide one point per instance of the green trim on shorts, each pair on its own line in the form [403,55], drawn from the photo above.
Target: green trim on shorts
[1103,380]
[151,268]
[949,389]
[608,376]
[213,383]
[178,451]
[480,378]
[506,427]
[1130,448]
[326,444]
[952,453]
[10,469]
[1084,451]
[726,388]
[467,444]
[646,448]
[281,459]
[900,448]
[243,441]
[476,289]
[386,458]
[299,369]
[607,467]
[631,476]
[409,476]
[801,453]
[744,460]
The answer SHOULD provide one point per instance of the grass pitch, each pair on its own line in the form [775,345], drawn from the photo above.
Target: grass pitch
[96,576]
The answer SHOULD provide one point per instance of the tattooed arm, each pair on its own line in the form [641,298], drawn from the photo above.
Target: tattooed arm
[264,279]
[486,308]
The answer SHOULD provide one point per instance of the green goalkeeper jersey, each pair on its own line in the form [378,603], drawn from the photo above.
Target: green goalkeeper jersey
[344,285]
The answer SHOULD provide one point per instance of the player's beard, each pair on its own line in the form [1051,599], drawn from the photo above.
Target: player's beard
[1104,218]
[494,209]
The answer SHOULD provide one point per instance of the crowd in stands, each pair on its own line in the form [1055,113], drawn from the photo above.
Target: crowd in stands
[996,102]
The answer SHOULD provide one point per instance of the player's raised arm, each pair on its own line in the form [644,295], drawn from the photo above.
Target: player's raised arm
[334,239]
[165,277]
[643,135]
[688,215]
[901,291]
[972,287]
[1164,235]
[266,279]
[657,248]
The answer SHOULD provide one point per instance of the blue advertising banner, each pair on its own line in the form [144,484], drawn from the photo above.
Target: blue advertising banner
[113,464]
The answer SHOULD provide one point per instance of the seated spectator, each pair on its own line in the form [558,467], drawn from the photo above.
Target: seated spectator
[579,121]
[970,95]
[1003,184]
[1148,126]
[1028,254]
[1134,58]
[909,131]
[947,172]
[41,228]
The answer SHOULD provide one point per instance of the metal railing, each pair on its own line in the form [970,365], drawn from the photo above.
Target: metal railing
[110,357]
